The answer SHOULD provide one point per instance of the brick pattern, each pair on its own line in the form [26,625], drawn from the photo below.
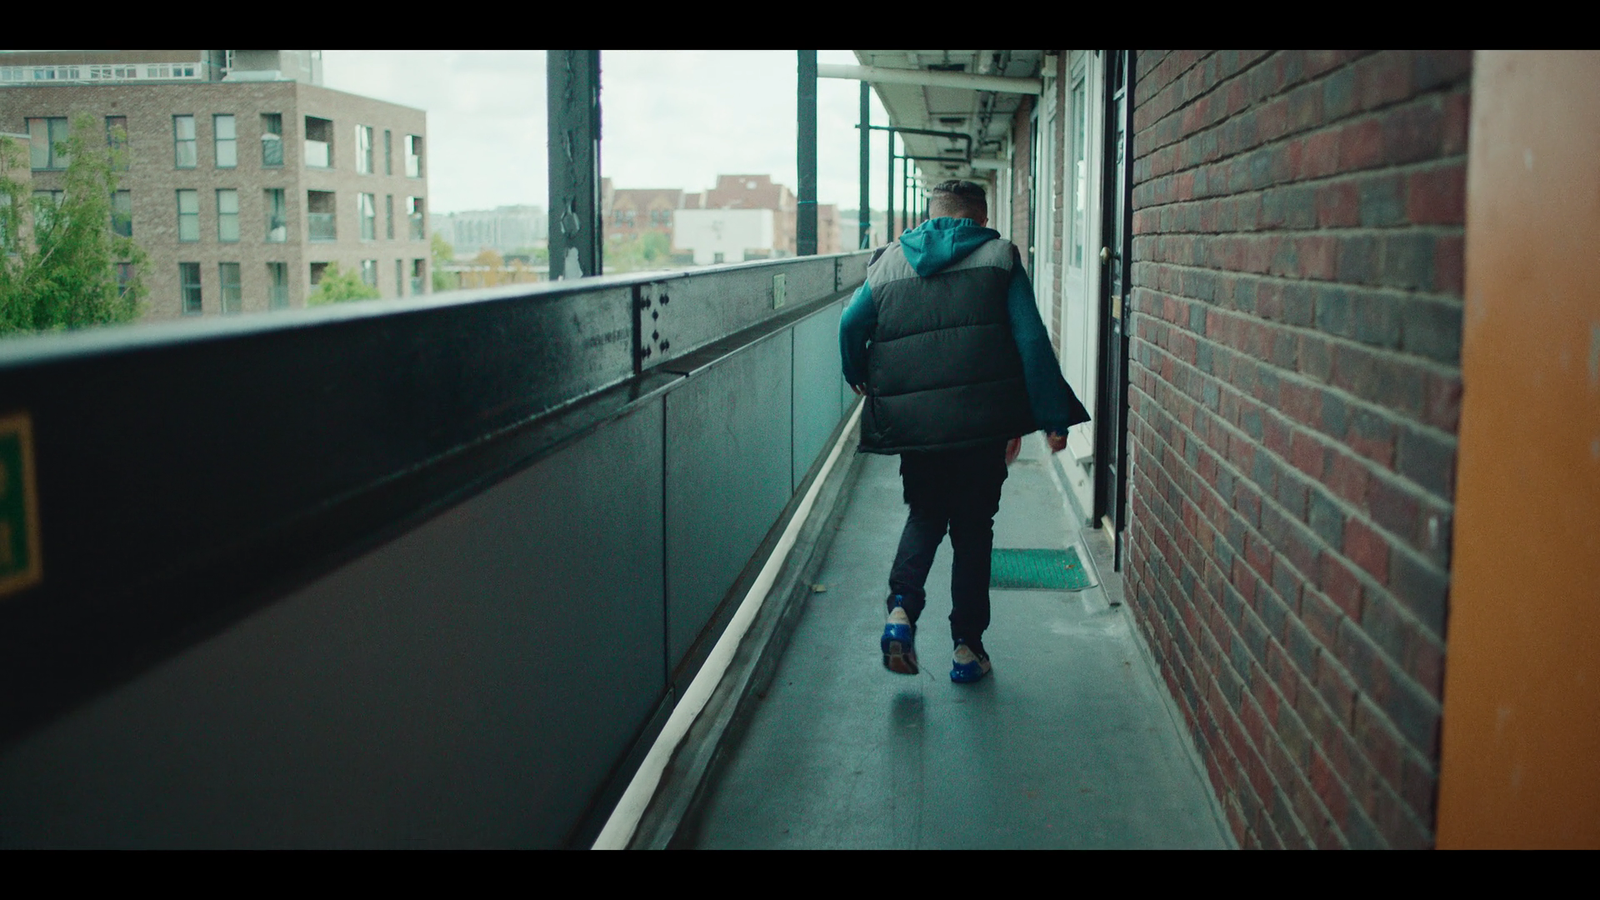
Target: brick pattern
[1294,393]
[1058,201]
[1021,174]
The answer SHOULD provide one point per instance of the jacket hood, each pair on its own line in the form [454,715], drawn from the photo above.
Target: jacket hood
[939,242]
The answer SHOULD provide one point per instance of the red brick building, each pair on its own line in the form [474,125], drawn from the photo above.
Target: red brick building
[633,212]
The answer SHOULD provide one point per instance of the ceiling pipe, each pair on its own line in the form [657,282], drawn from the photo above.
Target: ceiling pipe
[959,80]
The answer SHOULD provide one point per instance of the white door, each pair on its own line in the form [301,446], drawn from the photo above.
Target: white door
[1080,264]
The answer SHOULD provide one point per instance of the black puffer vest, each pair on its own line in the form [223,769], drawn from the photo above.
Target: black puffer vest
[943,371]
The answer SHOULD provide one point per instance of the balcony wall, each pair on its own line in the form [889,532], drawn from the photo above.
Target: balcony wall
[385,577]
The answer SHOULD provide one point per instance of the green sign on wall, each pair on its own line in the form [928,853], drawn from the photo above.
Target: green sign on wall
[19,511]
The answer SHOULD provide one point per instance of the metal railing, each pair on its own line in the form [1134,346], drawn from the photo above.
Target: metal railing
[385,573]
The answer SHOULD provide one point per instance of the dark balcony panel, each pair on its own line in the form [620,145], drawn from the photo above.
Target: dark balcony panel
[320,227]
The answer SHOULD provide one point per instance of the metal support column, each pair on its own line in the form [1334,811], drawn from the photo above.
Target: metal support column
[889,232]
[806,224]
[905,193]
[573,99]
[864,241]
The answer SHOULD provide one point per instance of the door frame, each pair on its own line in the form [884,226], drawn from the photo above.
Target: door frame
[1111,402]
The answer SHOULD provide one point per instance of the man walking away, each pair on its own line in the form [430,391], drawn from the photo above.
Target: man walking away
[947,346]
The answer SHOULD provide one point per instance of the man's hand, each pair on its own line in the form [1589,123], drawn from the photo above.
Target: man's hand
[1058,442]
[858,390]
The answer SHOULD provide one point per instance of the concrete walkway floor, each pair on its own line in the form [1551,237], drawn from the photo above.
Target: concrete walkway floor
[1070,743]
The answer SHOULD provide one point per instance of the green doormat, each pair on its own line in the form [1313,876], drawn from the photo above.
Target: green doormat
[1038,570]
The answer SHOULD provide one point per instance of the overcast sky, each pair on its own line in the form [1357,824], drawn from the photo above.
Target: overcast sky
[670,119]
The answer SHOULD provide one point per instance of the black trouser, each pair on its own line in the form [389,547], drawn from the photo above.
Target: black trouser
[958,490]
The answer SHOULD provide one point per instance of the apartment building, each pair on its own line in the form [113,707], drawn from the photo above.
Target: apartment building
[245,178]
[504,229]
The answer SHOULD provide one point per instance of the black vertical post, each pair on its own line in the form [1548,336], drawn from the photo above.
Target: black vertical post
[806,227]
[905,192]
[572,86]
[888,217]
[865,239]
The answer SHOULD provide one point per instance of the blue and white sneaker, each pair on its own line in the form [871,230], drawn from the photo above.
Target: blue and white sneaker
[970,664]
[899,640]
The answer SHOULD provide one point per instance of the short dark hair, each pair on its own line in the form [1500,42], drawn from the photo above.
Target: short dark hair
[959,200]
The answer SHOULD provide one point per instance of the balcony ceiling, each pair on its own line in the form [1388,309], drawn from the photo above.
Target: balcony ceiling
[983,114]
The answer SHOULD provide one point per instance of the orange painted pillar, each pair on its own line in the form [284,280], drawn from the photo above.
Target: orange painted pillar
[1520,762]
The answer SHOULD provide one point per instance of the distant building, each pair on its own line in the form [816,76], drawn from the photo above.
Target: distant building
[715,223]
[758,192]
[504,229]
[727,235]
[633,212]
[848,232]
[246,178]
[828,230]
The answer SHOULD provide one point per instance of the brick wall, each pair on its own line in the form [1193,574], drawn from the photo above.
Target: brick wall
[1294,393]
[1022,176]
[1057,200]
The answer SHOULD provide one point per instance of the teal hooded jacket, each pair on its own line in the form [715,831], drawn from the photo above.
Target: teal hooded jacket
[929,248]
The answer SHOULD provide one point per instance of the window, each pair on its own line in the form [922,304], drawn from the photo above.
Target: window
[622,217]
[319,143]
[226,135]
[122,213]
[277,285]
[418,273]
[183,142]
[388,153]
[44,208]
[364,149]
[369,272]
[124,278]
[318,269]
[399,278]
[414,213]
[388,216]
[272,139]
[277,216]
[413,156]
[1079,176]
[369,216]
[189,280]
[320,216]
[45,137]
[117,140]
[232,295]
[228,216]
[661,217]
[189,217]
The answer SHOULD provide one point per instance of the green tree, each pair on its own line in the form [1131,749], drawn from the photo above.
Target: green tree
[66,275]
[650,250]
[443,255]
[538,257]
[340,287]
